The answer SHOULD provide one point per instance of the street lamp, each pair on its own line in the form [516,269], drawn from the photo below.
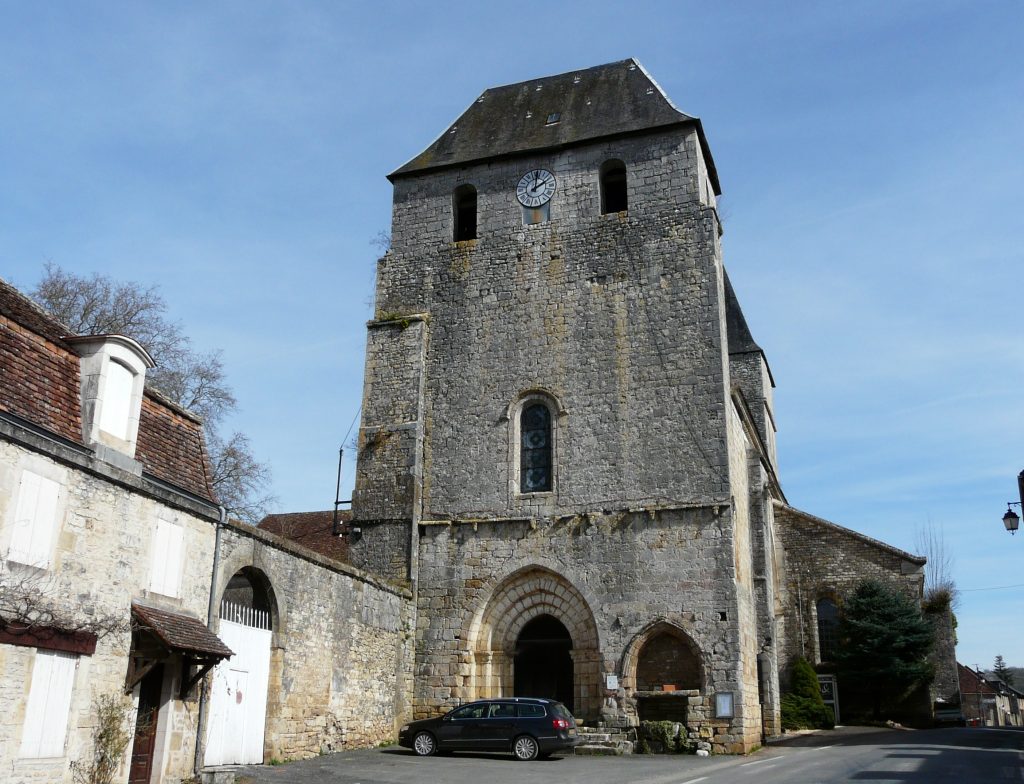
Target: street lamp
[1011,519]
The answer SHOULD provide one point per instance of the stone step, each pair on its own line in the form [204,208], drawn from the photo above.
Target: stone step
[608,749]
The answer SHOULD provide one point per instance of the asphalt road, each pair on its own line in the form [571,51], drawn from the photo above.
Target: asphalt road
[850,754]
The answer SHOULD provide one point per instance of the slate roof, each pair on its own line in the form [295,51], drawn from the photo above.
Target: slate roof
[180,632]
[608,100]
[39,382]
[311,529]
[740,339]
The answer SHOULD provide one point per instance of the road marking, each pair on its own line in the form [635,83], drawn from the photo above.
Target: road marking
[757,762]
[693,781]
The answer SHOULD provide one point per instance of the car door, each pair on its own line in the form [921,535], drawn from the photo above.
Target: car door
[499,726]
[461,729]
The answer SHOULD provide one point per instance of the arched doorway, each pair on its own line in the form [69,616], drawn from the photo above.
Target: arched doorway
[542,665]
[238,694]
[504,624]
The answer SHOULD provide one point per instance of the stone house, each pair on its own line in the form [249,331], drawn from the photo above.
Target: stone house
[120,576]
[567,447]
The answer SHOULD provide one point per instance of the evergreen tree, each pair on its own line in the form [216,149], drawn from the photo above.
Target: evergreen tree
[1002,671]
[803,707]
[884,641]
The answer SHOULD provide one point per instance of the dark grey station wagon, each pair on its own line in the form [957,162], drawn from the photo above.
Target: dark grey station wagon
[527,727]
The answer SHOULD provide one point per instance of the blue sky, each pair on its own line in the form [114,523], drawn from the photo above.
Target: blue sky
[869,153]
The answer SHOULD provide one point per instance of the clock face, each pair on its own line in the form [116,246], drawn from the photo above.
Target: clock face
[535,188]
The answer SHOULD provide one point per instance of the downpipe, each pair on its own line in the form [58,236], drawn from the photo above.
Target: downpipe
[222,516]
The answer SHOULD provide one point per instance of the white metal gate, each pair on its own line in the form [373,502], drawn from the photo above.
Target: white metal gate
[238,698]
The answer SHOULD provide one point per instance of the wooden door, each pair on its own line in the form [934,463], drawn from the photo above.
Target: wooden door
[145,726]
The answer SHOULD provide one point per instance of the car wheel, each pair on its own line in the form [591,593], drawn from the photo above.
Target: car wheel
[424,744]
[525,748]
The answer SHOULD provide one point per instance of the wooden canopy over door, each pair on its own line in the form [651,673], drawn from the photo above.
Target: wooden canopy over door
[159,638]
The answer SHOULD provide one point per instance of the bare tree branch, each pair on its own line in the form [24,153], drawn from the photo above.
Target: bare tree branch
[32,600]
[939,585]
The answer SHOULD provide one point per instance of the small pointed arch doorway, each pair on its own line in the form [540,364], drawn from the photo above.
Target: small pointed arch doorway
[235,731]
[536,632]
[662,668]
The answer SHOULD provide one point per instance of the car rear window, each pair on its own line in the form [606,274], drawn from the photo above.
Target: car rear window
[559,710]
[531,711]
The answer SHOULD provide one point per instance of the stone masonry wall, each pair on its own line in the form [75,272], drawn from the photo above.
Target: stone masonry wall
[342,647]
[617,317]
[631,570]
[826,560]
[101,562]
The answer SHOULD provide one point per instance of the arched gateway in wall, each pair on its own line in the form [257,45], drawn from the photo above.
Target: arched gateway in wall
[536,636]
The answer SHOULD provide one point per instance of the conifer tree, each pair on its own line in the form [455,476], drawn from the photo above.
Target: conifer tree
[884,641]
[1002,671]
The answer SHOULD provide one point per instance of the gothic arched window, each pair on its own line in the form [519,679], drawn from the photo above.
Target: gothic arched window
[828,629]
[613,187]
[535,448]
[464,213]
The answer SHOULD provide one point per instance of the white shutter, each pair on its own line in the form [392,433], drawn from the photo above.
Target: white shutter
[159,567]
[167,550]
[172,575]
[35,519]
[49,704]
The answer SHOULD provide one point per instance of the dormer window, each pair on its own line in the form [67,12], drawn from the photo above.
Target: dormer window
[113,377]
[464,213]
[613,187]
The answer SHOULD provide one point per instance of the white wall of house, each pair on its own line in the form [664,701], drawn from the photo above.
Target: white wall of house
[108,544]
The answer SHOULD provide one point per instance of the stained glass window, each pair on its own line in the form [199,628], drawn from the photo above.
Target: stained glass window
[535,449]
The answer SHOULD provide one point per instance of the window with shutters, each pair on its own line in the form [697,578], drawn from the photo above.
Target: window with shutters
[49,705]
[168,544]
[35,520]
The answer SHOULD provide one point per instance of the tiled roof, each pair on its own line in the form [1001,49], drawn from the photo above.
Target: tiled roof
[171,447]
[38,377]
[39,382]
[311,529]
[22,310]
[180,632]
[606,100]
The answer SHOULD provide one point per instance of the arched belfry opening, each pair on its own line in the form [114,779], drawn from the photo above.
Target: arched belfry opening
[542,666]
[535,636]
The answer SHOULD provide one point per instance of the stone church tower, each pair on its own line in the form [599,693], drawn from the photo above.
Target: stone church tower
[567,443]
